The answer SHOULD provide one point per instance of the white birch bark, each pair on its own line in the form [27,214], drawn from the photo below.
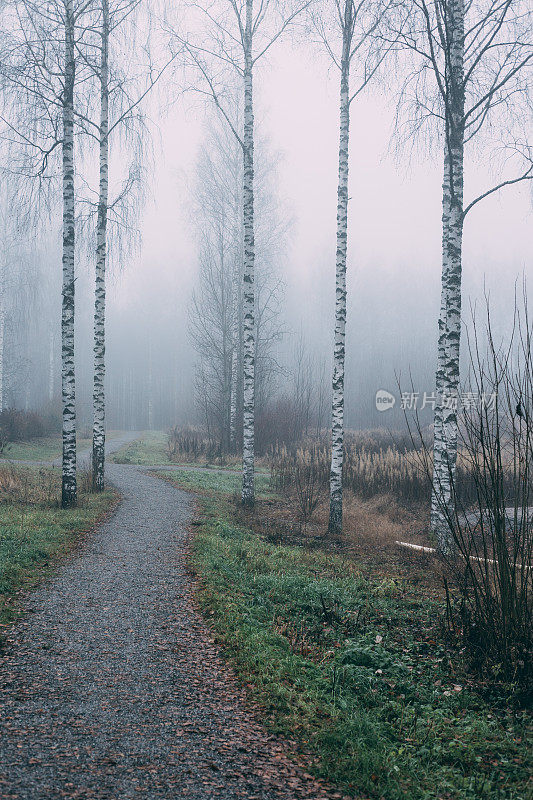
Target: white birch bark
[447,381]
[438,520]
[101,256]
[337,411]
[236,357]
[69,488]
[234,363]
[248,458]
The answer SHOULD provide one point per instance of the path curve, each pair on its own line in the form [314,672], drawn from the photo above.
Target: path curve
[110,688]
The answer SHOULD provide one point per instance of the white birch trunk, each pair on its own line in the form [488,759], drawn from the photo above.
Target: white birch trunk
[236,360]
[248,458]
[337,411]
[69,488]
[234,363]
[447,382]
[101,256]
[438,517]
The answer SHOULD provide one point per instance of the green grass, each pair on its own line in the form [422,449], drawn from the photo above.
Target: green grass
[148,451]
[151,450]
[220,482]
[34,530]
[354,671]
[47,448]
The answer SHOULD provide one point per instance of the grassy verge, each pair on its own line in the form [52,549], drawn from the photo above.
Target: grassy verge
[34,530]
[148,451]
[152,450]
[220,482]
[354,669]
[47,448]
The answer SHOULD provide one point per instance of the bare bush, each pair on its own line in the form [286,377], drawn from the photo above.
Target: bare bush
[16,425]
[493,537]
[309,488]
[191,444]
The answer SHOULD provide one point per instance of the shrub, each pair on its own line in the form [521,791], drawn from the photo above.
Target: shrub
[309,487]
[493,546]
[280,421]
[189,444]
[19,426]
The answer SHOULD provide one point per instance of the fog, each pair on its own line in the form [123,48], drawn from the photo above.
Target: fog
[394,239]
[393,267]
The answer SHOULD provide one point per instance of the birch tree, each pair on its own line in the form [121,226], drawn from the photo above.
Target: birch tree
[43,70]
[472,77]
[68,384]
[216,303]
[122,93]
[347,29]
[50,51]
[235,327]
[211,327]
[248,408]
[41,65]
[110,20]
[98,459]
[236,36]
[347,20]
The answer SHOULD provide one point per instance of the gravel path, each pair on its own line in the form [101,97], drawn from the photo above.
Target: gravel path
[110,686]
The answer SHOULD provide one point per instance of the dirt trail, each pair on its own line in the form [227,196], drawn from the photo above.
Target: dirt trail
[110,687]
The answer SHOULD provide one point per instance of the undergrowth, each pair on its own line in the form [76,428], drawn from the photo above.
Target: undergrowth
[355,670]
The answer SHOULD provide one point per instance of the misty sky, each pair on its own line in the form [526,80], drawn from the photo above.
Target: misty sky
[395,227]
